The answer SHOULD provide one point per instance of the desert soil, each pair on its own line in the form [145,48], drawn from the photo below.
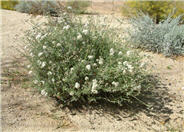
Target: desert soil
[24,109]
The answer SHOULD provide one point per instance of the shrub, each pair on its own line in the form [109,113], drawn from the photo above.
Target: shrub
[79,62]
[41,7]
[8,4]
[158,10]
[24,6]
[78,7]
[167,37]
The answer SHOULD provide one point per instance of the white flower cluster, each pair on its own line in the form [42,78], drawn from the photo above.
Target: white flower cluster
[69,7]
[94,64]
[44,93]
[94,86]
[88,67]
[129,53]
[142,64]
[44,47]
[130,67]
[86,24]
[86,78]
[71,69]
[79,36]
[71,93]
[100,61]
[39,36]
[85,32]
[43,82]
[29,66]
[42,37]
[40,54]
[64,13]
[31,54]
[77,85]
[90,56]
[138,87]
[111,51]
[42,64]
[54,42]
[58,44]
[66,27]
[116,84]
[25,47]
[35,81]
[49,73]
[30,72]
[120,53]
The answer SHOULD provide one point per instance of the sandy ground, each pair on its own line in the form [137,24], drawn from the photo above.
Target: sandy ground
[106,7]
[23,109]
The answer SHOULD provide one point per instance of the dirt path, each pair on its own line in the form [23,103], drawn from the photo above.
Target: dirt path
[23,109]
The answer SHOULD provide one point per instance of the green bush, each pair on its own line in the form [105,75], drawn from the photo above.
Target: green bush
[8,4]
[78,7]
[79,62]
[158,10]
[39,7]
[167,37]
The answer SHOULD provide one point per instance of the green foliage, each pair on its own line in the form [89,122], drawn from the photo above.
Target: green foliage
[167,37]
[158,10]
[78,7]
[79,62]
[8,4]
[39,7]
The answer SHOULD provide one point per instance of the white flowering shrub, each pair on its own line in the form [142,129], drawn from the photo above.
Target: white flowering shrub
[81,62]
[167,37]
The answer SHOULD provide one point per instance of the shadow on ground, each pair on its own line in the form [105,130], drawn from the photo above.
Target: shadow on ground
[153,104]
[156,98]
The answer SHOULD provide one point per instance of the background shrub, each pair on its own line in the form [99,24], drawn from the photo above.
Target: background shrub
[39,7]
[78,7]
[8,4]
[158,10]
[167,37]
[79,62]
